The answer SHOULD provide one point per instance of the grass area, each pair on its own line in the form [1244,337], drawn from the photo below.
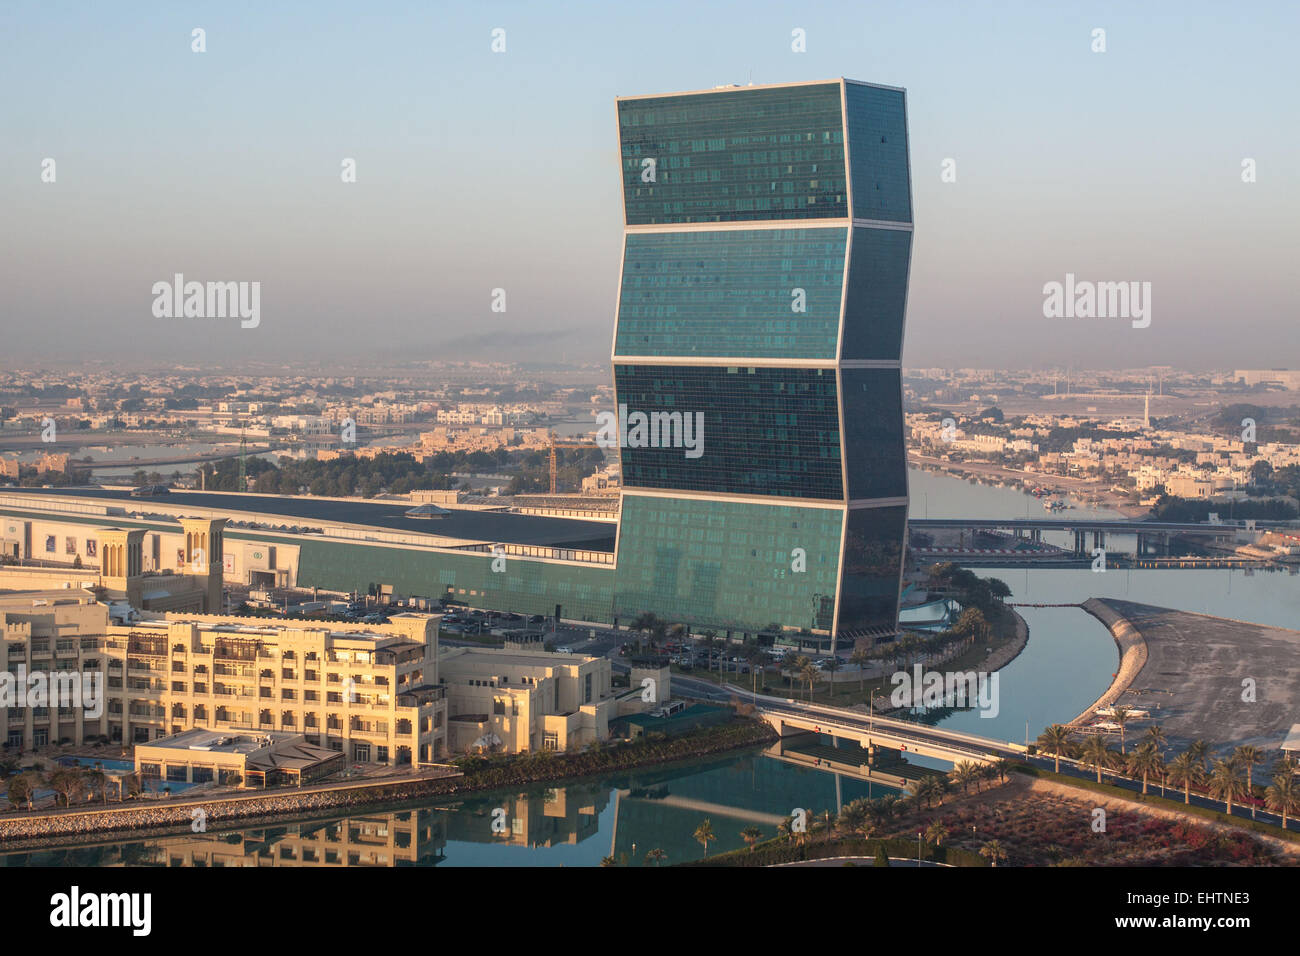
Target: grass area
[1018,826]
[781,850]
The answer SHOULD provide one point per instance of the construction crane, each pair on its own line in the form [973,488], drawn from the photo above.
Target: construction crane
[561,444]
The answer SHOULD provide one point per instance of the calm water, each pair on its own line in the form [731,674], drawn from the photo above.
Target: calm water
[1067,664]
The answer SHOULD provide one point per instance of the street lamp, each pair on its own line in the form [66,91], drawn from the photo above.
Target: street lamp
[918,848]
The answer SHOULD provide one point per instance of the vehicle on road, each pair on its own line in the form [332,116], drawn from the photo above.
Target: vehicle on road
[150,491]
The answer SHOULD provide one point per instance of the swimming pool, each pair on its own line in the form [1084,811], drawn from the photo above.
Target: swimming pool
[153,785]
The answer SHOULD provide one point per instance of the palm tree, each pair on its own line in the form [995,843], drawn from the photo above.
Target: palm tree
[1286,764]
[853,815]
[756,657]
[936,786]
[993,851]
[1186,771]
[878,814]
[1121,716]
[97,783]
[860,656]
[1144,761]
[935,833]
[785,829]
[1225,782]
[750,835]
[833,663]
[918,791]
[608,861]
[1283,796]
[649,626]
[1248,756]
[1055,740]
[963,774]
[657,855]
[716,646]
[1001,768]
[1200,752]
[987,771]
[1156,737]
[1096,753]
[808,673]
[704,834]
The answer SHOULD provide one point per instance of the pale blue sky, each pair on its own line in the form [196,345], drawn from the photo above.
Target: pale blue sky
[479,170]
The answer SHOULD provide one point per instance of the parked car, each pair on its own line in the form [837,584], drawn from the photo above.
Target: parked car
[150,491]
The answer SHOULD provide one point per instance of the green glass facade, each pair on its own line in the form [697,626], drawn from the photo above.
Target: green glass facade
[525,586]
[792,509]
[780,155]
[727,564]
[729,293]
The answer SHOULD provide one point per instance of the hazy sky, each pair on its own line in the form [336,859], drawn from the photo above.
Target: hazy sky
[478,170]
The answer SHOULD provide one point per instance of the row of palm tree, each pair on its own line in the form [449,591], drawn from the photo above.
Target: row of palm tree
[1222,778]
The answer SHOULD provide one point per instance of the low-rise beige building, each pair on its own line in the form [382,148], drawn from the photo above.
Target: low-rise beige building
[375,693]
[255,760]
[367,691]
[525,700]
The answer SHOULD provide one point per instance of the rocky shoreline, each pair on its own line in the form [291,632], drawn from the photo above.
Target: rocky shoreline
[1132,655]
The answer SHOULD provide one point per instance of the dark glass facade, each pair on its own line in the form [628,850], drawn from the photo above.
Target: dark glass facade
[873,555]
[873,433]
[767,431]
[877,294]
[734,156]
[877,124]
[791,510]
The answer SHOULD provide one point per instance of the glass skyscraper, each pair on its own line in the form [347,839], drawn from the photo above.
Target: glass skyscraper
[767,237]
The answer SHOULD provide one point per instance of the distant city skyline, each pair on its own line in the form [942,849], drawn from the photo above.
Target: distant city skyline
[1116,166]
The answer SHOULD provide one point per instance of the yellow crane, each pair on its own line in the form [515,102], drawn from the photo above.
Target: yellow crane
[561,444]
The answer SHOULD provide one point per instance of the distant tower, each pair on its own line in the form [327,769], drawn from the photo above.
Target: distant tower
[121,564]
[1146,410]
[204,557]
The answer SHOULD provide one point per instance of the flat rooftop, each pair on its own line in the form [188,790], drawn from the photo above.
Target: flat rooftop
[462,523]
[215,741]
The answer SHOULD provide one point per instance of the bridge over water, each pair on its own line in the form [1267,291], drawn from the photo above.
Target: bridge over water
[869,731]
[1152,537]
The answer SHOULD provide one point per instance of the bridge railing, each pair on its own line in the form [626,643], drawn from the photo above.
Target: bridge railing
[927,729]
